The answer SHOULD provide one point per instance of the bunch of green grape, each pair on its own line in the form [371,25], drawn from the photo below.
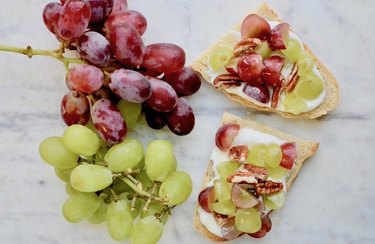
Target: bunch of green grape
[132,189]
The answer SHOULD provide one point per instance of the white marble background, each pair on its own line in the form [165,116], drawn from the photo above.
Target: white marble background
[333,199]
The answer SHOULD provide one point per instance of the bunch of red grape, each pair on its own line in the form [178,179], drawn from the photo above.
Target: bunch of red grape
[122,76]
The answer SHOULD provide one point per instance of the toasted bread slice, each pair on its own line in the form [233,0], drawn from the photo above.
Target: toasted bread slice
[305,149]
[331,99]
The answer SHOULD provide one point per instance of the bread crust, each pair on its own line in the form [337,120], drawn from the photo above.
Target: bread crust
[305,149]
[331,99]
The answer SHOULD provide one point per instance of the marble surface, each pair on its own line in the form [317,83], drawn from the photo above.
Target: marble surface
[332,200]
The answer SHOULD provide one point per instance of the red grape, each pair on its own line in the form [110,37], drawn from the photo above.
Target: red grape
[229,230]
[257,92]
[250,68]
[155,119]
[266,227]
[109,7]
[51,15]
[164,57]
[279,36]
[108,121]
[163,97]
[206,198]
[63,1]
[74,19]
[128,16]
[127,44]
[98,11]
[130,85]
[94,48]
[289,155]
[119,5]
[85,78]
[241,198]
[185,82]
[75,108]
[181,119]
[225,135]
[254,26]
[272,70]
[231,65]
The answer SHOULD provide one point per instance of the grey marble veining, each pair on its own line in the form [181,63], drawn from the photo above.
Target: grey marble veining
[332,200]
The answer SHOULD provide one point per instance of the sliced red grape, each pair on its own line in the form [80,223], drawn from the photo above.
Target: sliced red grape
[185,82]
[250,67]
[257,92]
[266,227]
[51,15]
[164,57]
[108,121]
[289,151]
[279,36]
[229,230]
[127,16]
[75,108]
[206,198]
[127,44]
[155,119]
[163,97]
[130,85]
[181,119]
[85,78]
[225,135]
[94,48]
[272,70]
[242,198]
[74,19]
[254,26]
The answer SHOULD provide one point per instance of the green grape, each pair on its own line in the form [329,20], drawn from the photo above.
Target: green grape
[257,155]
[138,203]
[248,220]
[80,206]
[63,174]
[119,220]
[219,57]
[155,208]
[222,189]
[226,207]
[125,155]
[70,190]
[263,49]
[90,178]
[294,103]
[274,155]
[174,164]
[309,86]
[275,201]
[100,214]
[176,188]
[143,177]
[120,186]
[53,152]
[227,168]
[159,160]
[81,140]
[277,172]
[130,112]
[146,231]
[293,50]
[305,63]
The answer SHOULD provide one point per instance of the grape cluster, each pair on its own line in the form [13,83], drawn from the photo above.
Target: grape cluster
[120,77]
[132,189]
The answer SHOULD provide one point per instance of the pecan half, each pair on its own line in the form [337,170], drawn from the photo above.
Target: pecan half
[260,173]
[246,46]
[239,153]
[268,187]
[292,79]
[227,80]
[249,174]
[276,94]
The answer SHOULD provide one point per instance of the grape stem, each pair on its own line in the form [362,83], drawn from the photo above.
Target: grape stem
[139,191]
[29,52]
[114,194]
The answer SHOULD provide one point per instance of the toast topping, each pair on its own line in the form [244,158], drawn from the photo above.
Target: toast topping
[239,153]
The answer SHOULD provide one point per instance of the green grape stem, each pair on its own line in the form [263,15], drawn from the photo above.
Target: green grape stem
[114,194]
[138,190]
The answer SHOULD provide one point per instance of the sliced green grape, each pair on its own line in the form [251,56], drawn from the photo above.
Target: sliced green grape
[120,186]
[226,207]
[275,201]
[248,220]
[100,214]
[63,174]
[143,177]
[81,140]
[293,50]
[80,206]
[176,188]
[257,155]
[277,172]
[125,155]
[119,220]
[130,112]
[159,160]
[274,155]
[227,168]
[294,103]
[155,208]
[146,231]
[54,152]
[222,189]
[90,177]
[219,57]
[309,86]
[305,63]
[70,190]
[263,49]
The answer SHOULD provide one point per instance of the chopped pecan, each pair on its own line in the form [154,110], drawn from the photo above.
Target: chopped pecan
[276,94]
[239,153]
[220,218]
[268,187]
[292,79]
[249,174]
[260,173]
[227,80]
[246,46]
